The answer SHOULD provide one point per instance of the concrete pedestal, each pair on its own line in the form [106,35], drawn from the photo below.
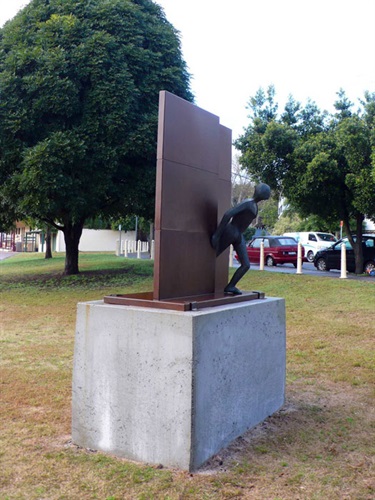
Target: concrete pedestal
[175,387]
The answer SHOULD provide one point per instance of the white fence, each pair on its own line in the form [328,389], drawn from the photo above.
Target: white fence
[104,240]
[96,240]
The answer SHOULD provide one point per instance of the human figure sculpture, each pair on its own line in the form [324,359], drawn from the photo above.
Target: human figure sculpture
[230,232]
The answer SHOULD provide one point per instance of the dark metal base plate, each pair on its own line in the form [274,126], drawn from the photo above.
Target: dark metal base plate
[194,303]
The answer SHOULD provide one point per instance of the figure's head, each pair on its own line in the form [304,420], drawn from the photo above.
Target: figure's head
[262,192]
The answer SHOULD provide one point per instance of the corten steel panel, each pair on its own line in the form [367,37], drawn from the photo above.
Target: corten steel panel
[189,193]
[187,134]
[225,158]
[190,268]
[191,172]
[224,191]
[224,196]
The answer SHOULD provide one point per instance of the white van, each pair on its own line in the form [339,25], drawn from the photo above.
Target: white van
[312,241]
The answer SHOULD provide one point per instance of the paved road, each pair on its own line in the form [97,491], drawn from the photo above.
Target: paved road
[307,268]
[310,269]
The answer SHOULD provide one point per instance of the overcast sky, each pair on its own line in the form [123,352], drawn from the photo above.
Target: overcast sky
[309,49]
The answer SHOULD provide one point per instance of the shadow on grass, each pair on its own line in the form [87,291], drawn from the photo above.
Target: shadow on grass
[86,279]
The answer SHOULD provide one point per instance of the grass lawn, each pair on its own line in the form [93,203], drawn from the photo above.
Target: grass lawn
[320,445]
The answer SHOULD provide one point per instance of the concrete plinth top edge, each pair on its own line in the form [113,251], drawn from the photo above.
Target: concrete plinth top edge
[206,311]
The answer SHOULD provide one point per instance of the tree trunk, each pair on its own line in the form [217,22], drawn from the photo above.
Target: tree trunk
[356,242]
[358,250]
[48,254]
[72,235]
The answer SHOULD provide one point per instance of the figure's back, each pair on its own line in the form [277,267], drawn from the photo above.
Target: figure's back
[247,211]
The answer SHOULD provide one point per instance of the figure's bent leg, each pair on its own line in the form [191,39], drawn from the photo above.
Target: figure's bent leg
[241,271]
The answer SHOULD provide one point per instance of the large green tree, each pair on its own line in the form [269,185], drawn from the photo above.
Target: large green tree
[79,87]
[321,163]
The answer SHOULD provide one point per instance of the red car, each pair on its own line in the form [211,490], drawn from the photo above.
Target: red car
[277,250]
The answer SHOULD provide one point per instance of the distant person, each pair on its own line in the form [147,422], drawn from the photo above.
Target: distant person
[230,232]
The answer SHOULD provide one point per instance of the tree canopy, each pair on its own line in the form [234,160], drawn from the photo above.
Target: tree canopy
[324,164]
[79,89]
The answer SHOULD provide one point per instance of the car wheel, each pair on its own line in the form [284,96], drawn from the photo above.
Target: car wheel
[269,261]
[321,265]
[310,256]
[369,266]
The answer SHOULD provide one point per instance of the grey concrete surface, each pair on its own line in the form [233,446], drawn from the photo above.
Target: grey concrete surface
[175,387]
[307,269]
[4,254]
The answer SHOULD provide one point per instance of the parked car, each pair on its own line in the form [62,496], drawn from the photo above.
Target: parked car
[330,258]
[313,241]
[277,250]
